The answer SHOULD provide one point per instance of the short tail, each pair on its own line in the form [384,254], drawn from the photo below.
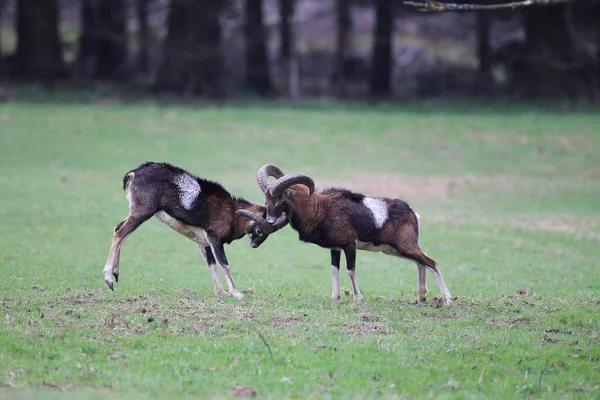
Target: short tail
[127,179]
[430,261]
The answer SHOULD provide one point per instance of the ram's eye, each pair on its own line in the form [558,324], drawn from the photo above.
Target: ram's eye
[258,232]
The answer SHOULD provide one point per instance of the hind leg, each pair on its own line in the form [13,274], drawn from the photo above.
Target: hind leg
[122,231]
[424,263]
[350,253]
[422,283]
[441,283]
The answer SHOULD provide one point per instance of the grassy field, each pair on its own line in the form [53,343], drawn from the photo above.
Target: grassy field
[510,207]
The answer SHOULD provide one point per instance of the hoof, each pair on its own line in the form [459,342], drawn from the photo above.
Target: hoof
[359,299]
[237,295]
[116,275]
[335,297]
[110,284]
[221,292]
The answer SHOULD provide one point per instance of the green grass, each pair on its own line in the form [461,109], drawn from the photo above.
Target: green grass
[509,200]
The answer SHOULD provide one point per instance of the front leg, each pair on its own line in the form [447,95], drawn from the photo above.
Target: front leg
[212,266]
[219,252]
[350,253]
[335,270]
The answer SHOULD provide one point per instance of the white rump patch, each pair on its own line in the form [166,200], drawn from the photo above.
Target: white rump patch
[189,189]
[418,220]
[128,196]
[379,209]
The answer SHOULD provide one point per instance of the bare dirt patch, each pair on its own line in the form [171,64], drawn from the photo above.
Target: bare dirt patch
[367,317]
[198,326]
[242,391]
[576,226]
[362,329]
[437,316]
[409,188]
[483,137]
[509,322]
[580,227]
[520,293]
[573,142]
[284,321]
[591,171]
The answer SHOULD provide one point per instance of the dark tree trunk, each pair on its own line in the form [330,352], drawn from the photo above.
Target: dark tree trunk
[103,40]
[86,58]
[141,7]
[2,67]
[380,82]
[38,55]
[286,15]
[344,27]
[287,51]
[111,39]
[484,82]
[552,64]
[257,63]
[192,57]
[598,44]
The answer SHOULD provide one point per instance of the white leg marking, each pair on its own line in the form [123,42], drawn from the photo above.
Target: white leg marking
[357,294]
[335,292]
[226,271]
[189,189]
[213,272]
[112,264]
[442,284]
[218,287]
[379,209]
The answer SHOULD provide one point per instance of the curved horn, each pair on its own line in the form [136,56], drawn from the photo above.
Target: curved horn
[288,180]
[262,223]
[263,176]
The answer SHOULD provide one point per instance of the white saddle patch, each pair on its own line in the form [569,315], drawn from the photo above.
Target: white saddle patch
[193,233]
[189,189]
[379,209]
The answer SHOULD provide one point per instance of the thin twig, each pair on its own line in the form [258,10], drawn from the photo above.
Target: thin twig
[437,6]
[266,344]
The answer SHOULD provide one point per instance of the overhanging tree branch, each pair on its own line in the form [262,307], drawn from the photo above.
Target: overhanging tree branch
[439,6]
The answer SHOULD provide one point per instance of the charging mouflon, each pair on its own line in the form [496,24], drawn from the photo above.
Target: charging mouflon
[197,208]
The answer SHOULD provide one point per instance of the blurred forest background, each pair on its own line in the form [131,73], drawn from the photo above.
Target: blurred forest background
[349,49]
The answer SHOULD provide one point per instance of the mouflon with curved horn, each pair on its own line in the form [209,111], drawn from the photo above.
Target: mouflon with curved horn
[341,220]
